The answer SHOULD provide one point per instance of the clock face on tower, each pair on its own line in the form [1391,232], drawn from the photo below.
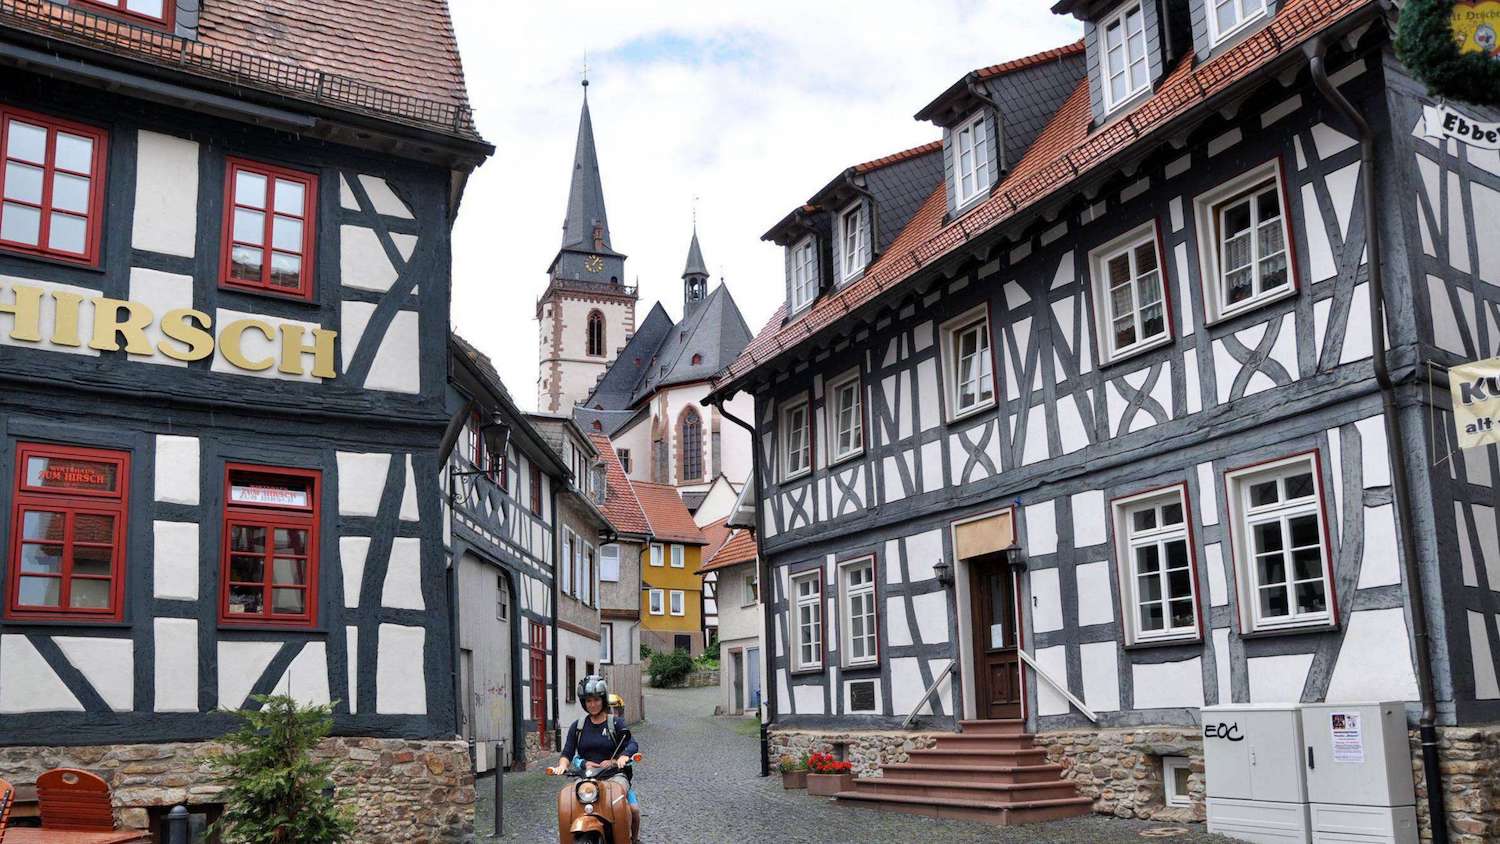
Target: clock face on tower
[593,263]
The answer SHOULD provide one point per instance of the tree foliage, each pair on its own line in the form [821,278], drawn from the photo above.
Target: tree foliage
[1425,43]
[274,787]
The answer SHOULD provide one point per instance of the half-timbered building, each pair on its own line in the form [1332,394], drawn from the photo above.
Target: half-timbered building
[224,287]
[1076,421]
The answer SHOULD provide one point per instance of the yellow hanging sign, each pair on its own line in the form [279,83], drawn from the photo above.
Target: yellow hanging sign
[1476,27]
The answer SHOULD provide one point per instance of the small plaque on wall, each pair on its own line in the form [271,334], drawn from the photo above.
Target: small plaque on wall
[862,696]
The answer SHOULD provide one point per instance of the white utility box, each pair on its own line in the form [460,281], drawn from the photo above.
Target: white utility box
[1359,777]
[1252,755]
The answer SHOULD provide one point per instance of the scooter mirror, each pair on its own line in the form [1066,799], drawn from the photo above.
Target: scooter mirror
[636,758]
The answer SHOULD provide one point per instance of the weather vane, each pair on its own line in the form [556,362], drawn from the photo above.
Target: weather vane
[585,68]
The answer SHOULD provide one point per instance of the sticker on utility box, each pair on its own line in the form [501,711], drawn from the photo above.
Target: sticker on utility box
[1348,737]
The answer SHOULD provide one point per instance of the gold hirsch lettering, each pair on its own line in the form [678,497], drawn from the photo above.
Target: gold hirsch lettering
[187,335]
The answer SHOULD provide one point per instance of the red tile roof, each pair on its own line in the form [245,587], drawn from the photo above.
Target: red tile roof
[739,549]
[716,532]
[667,515]
[1030,61]
[621,506]
[394,58]
[898,157]
[1067,149]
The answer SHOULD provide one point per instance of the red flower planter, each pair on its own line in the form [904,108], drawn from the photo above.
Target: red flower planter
[827,785]
[794,779]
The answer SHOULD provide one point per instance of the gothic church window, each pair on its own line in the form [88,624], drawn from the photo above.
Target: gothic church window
[690,444]
[596,334]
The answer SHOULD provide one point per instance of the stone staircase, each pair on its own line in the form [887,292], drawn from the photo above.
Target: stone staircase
[991,772]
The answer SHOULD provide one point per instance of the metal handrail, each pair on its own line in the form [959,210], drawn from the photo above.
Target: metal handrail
[912,716]
[1088,713]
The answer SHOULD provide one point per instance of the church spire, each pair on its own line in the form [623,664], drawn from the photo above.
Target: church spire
[694,275]
[586,226]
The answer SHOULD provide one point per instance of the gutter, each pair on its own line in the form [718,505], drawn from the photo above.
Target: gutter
[1400,488]
[763,572]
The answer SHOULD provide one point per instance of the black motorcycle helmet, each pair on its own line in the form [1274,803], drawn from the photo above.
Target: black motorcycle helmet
[593,686]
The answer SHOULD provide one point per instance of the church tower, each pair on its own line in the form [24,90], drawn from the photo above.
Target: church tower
[694,278]
[587,312]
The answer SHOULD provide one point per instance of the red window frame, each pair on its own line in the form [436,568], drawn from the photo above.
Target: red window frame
[271,516]
[167,20]
[94,213]
[309,219]
[70,503]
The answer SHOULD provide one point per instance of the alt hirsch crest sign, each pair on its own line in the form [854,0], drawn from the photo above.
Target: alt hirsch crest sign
[1476,402]
[1454,47]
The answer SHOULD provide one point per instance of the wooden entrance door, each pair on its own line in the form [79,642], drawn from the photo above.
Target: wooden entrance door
[538,657]
[997,668]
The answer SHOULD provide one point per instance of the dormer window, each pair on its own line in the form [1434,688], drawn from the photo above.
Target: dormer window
[1230,16]
[854,240]
[804,273]
[1126,69]
[150,11]
[972,159]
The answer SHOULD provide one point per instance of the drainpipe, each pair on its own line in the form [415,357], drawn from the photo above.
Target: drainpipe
[977,91]
[768,684]
[450,576]
[1400,488]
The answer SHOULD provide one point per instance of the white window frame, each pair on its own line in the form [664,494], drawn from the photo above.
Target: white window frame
[979,152]
[785,438]
[1243,517]
[1211,9]
[1106,68]
[1169,766]
[1104,316]
[814,602]
[854,256]
[1207,207]
[569,559]
[952,332]
[834,408]
[658,555]
[656,602]
[846,616]
[502,599]
[678,556]
[624,457]
[750,589]
[612,550]
[606,643]
[677,602]
[1127,540]
[804,272]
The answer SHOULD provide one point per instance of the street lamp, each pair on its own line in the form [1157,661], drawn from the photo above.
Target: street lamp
[944,573]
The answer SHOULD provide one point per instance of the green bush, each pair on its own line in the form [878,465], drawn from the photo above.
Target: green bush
[646,652]
[707,662]
[669,669]
[273,788]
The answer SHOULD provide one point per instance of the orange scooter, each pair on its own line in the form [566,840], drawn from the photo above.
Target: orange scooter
[595,810]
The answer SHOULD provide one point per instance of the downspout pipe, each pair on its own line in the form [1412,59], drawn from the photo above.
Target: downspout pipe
[764,573]
[1400,487]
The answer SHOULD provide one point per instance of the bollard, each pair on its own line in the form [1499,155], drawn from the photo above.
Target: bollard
[499,788]
[177,825]
[765,750]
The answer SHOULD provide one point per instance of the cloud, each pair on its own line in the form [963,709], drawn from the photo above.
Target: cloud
[750,107]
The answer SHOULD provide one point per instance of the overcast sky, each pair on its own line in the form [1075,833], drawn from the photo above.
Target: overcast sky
[748,106]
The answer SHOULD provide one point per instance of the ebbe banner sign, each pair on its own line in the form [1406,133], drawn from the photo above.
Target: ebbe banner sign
[1443,122]
[1476,402]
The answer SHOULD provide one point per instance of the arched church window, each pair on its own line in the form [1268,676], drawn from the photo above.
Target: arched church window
[596,334]
[690,443]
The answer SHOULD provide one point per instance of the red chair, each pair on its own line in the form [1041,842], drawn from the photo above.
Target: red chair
[7,797]
[74,799]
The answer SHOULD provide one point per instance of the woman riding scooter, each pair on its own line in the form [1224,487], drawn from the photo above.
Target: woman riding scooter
[601,741]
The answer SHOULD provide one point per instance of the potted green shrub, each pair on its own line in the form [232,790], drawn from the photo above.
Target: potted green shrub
[274,790]
[827,776]
[793,772]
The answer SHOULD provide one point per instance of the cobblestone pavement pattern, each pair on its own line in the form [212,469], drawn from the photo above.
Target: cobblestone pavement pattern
[700,784]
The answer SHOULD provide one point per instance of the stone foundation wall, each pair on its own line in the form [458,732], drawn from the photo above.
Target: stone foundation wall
[1121,768]
[397,790]
[866,751]
[536,755]
[1469,758]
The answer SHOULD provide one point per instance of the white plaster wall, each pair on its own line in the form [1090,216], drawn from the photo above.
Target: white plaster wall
[240,665]
[306,679]
[255,346]
[352,553]
[1278,679]
[737,621]
[176,664]
[361,482]
[397,367]
[403,575]
[161,292]
[27,683]
[175,563]
[166,194]
[1168,684]
[1096,603]
[362,260]
[1101,675]
[107,664]
[1046,601]
[583,650]
[717,504]
[383,198]
[401,671]
[1374,662]
[177,469]
[637,440]
[1054,661]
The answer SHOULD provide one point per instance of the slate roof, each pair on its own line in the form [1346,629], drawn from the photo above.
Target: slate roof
[897,157]
[695,264]
[621,506]
[715,330]
[666,514]
[585,192]
[740,548]
[1069,149]
[393,58]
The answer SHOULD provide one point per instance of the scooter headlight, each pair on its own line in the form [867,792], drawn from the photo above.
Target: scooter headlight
[588,792]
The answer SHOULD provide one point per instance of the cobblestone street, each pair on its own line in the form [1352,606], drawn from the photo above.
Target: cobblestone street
[700,783]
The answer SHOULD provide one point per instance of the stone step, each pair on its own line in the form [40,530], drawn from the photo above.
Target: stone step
[979,756]
[986,811]
[1001,773]
[999,726]
[969,789]
[985,741]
